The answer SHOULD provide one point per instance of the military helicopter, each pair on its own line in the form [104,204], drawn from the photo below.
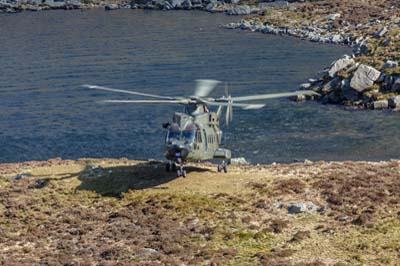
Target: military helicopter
[195,133]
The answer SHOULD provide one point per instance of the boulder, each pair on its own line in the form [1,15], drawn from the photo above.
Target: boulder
[390,64]
[296,208]
[364,77]
[333,16]
[332,85]
[187,4]
[111,7]
[340,64]
[232,1]
[379,105]
[350,94]
[239,10]
[380,33]
[396,84]
[176,3]
[279,4]
[305,86]
[394,102]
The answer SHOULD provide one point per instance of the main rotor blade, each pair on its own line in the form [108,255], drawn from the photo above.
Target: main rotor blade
[271,96]
[127,92]
[146,101]
[204,87]
[245,106]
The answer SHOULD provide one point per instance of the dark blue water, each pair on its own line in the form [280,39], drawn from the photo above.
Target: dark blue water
[46,56]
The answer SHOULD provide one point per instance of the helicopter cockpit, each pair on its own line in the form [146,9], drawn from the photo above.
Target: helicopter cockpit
[187,135]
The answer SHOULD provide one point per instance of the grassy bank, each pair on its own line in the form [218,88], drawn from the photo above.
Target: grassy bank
[120,212]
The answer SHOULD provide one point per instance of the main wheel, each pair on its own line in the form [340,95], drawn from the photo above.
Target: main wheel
[225,168]
[178,173]
[184,173]
[219,168]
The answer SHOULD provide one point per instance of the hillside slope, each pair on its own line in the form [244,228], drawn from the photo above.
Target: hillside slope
[121,212]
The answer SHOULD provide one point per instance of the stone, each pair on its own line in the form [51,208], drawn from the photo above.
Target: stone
[364,77]
[239,10]
[395,87]
[276,4]
[387,42]
[379,105]
[331,85]
[394,102]
[147,252]
[111,7]
[380,33]
[340,64]
[300,207]
[333,16]
[305,86]
[176,3]
[349,93]
[232,1]
[390,64]
[187,4]
[239,161]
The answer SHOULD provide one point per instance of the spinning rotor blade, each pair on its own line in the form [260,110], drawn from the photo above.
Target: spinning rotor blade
[245,106]
[146,101]
[272,96]
[204,87]
[128,92]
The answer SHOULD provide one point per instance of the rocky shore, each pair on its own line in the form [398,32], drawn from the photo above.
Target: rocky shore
[124,212]
[370,77]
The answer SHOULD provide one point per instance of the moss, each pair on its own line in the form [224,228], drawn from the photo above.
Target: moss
[393,71]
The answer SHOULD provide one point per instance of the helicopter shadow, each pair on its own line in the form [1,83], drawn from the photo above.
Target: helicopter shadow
[116,180]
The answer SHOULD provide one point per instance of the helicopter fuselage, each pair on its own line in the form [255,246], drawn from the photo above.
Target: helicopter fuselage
[195,137]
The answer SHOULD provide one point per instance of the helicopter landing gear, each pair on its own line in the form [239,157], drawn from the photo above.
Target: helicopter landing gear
[223,167]
[170,167]
[181,172]
[180,168]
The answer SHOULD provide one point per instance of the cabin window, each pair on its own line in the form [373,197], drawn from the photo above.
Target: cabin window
[198,136]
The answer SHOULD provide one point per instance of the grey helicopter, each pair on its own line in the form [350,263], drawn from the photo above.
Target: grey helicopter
[195,134]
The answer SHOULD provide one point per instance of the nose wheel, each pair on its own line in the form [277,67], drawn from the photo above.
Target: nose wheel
[180,169]
[223,167]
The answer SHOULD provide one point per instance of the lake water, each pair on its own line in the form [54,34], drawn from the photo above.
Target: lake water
[46,56]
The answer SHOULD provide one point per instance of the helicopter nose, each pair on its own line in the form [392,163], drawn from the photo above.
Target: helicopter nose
[178,151]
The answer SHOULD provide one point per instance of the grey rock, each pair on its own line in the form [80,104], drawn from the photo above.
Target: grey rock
[387,42]
[349,93]
[331,85]
[394,102]
[333,16]
[232,1]
[396,84]
[340,64]
[111,7]
[380,33]
[279,4]
[364,77]
[305,86]
[176,3]
[239,10]
[187,4]
[300,207]
[239,161]
[333,97]
[379,105]
[390,64]
[147,252]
